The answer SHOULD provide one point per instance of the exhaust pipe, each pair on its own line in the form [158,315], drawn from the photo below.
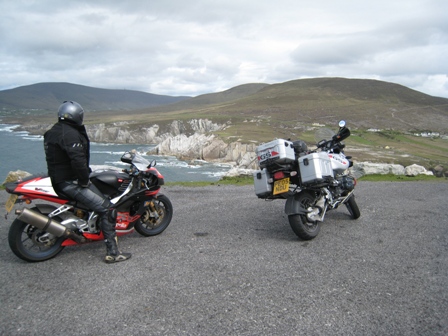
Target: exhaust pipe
[47,224]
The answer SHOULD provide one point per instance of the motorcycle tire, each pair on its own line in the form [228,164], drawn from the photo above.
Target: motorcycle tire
[300,224]
[24,243]
[148,225]
[352,207]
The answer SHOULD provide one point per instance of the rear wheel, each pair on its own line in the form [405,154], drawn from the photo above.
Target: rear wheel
[352,207]
[300,224]
[151,222]
[32,244]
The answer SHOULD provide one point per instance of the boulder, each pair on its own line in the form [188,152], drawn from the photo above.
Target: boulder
[16,175]
[438,171]
[185,146]
[367,168]
[236,171]
[414,170]
[214,150]
[207,147]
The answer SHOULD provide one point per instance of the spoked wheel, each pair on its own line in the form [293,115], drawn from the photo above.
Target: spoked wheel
[300,224]
[32,244]
[352,207]
[156,217]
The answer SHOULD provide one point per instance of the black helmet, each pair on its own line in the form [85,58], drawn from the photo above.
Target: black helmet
[71,111]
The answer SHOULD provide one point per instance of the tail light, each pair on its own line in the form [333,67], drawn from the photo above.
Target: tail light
[279,175]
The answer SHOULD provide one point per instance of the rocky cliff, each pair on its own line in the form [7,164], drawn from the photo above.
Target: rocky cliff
[201,143]
[194,139]
[128,132]
[208,147]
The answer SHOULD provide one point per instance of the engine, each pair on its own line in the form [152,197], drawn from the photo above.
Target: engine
[343,185]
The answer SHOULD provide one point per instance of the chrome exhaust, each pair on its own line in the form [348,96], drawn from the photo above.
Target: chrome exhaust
[47,224]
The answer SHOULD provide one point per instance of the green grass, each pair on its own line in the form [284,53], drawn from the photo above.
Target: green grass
[248,180]
[237,181]
[402,178]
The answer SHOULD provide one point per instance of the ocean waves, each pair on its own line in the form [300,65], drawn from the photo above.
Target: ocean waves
[21,151]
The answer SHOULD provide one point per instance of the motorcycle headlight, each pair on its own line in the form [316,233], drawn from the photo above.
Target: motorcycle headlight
[348,183]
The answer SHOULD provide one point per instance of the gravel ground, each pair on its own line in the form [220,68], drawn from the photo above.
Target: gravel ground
[229,264]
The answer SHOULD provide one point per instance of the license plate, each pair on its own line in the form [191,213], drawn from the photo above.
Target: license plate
[10,202]
[281,186]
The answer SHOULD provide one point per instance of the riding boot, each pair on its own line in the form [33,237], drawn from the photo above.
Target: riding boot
[113,254]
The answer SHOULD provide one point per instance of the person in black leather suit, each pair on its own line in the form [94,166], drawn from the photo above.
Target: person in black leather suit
[67,152]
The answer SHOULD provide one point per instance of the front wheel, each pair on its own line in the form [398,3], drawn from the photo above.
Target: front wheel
[352,207]
[154,221]
[302,227]
[32,244]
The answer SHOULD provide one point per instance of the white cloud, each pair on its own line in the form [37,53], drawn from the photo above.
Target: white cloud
[188,48]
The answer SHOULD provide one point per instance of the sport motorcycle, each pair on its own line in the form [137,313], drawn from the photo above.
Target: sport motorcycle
[41,232]
[312,181]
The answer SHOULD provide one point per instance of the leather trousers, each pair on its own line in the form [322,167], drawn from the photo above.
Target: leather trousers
[94,200]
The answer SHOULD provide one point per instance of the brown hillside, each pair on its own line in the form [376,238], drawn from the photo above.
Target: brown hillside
[365,103]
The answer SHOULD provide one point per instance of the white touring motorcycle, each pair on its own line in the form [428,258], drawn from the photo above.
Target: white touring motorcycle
[312,182]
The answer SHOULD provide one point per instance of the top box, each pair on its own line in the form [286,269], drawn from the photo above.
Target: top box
[275,152]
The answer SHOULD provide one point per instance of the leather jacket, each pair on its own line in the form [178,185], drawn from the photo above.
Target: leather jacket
[67,151]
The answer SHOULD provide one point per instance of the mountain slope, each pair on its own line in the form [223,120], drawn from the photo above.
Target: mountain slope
[364,103]
[48,96]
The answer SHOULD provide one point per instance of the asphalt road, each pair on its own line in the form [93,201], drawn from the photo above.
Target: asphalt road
[229,264]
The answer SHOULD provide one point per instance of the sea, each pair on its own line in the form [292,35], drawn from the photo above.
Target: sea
[21,151]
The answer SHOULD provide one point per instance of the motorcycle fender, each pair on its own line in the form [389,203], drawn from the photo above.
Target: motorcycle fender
[294,207]
[45,208]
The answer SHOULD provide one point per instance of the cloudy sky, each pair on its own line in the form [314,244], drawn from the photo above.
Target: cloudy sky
[179,47]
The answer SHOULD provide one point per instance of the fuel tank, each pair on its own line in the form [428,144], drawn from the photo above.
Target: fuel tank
[110,182]
[339,163]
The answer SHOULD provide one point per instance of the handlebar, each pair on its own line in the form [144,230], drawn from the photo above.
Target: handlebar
[335,142]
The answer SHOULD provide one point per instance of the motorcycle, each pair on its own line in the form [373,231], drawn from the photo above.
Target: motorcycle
[312,182]
[41,232]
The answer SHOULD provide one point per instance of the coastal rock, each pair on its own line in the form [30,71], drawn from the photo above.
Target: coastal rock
[122,133]
[184,146]
[128,132]
[367,168]
[236,171]
[204,126]
[243,154]
[214,150]
[438,171]
[414,170]
[16,175]
[208,147]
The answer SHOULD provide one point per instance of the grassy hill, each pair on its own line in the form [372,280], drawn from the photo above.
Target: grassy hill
[48,96]
[261,112]
[366,103]
[291,110]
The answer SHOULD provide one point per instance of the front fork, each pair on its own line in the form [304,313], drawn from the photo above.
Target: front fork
[152,213]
